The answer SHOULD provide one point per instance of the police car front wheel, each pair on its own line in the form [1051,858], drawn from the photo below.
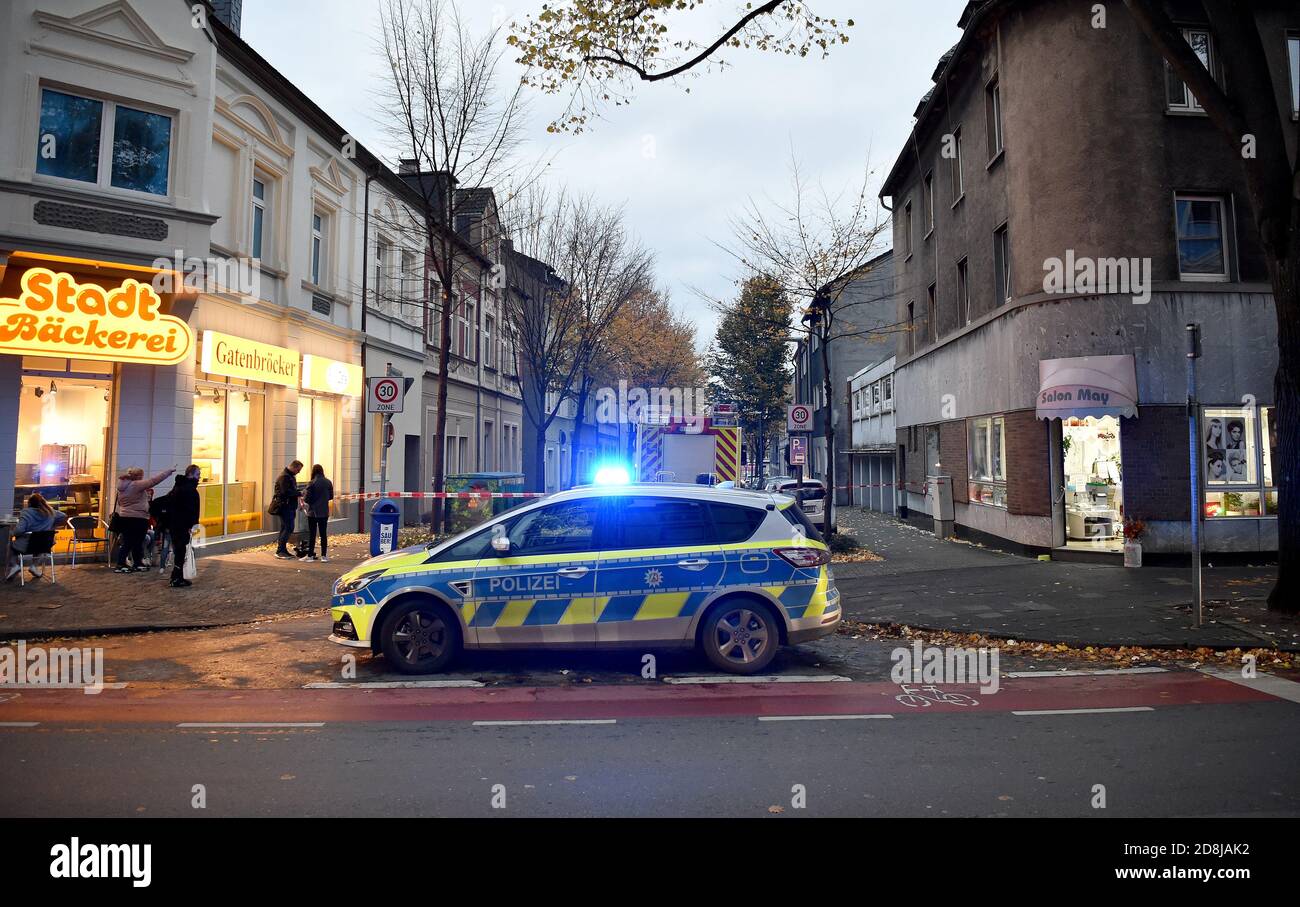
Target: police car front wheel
[420,637]
[740,636]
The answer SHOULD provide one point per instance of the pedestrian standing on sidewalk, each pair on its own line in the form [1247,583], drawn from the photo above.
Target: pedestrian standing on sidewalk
[284,504]
[317,497]
[181,516]
[132,510]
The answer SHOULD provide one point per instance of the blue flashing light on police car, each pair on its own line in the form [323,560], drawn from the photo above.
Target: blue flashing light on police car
[611,474]
[732,573]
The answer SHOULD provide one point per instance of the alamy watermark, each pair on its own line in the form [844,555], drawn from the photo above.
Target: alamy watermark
[1080,274]
[23,665]
[181,274]
[946,664]
[652,405]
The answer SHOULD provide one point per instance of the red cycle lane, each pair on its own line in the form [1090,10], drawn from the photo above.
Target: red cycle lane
[649,700]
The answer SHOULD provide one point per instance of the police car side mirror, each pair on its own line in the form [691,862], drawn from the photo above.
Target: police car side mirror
[501,544]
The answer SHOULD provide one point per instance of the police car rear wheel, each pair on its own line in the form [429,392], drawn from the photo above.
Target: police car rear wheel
[419,637]
[741,637]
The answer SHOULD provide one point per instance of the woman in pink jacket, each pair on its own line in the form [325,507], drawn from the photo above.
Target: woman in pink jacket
[132,512]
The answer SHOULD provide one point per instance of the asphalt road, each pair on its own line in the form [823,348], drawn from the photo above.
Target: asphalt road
[1208,760]
[586,735]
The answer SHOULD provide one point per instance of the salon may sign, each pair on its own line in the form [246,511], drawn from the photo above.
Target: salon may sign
[54,315]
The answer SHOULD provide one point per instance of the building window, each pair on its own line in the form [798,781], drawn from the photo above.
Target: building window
[958,187]
[1202,244]
[907,229]
[911,327]
[384,300]
[489,447]
[1178,95]
[963,294]
[228,446]
[889,392]
[987,439]
[993,113]
[1293,57]
[932,315]
[1239,453]
[929,203]
[259,217]
[75,143]
[1001,266]
[317,247]
[318,434]
[489,325]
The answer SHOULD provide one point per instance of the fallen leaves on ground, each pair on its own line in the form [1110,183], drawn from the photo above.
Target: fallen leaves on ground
[1113,655]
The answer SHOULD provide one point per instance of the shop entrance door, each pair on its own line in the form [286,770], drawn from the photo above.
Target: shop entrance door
[1092,489]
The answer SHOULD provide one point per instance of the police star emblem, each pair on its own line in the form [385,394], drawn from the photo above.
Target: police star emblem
[654,578]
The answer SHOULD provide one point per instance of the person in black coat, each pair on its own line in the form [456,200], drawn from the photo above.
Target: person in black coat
[284,504]
[181,514]
[317,497]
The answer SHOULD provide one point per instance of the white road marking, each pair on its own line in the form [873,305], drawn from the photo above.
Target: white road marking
[391,684]
[1129,708]
[216,724]
[19,723]
[818,717]
[1264,683]
[764,678]
[546,721]
[59,685]
[1086,673]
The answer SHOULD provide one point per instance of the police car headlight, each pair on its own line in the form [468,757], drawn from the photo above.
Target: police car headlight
[804,557]
[357,583]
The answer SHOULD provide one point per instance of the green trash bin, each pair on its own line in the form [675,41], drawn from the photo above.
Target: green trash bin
[466,513]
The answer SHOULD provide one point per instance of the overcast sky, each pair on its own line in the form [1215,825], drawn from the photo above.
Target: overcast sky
[729,139]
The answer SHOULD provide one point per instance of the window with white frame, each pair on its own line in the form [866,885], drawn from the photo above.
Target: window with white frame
[987,471]
[928,210]
[958,187]
[1200,223]
[383,284]
[489,332]
[104,142]
[257,243]
[993,115]
[318,227]
[1179,97]
[1001,266]
[467,330]
[889,393]
[963,294]
[1293,60]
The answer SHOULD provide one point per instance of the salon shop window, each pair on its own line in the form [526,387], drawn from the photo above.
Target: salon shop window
[1238,449]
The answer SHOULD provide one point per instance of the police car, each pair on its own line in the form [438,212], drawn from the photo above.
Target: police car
[734,573]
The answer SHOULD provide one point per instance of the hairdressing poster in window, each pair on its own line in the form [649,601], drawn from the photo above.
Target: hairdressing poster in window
[1229,447]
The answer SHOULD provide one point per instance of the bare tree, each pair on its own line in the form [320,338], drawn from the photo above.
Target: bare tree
[455,130]
[813,247]
[590,268]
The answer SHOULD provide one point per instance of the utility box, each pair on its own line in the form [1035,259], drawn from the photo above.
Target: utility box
[939,491]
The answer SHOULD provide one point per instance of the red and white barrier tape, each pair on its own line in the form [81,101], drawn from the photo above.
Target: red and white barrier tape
[433,495]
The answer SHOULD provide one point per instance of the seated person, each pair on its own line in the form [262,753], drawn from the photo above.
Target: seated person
[37,516]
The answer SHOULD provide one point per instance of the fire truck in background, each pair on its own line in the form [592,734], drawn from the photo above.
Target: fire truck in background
[703,449]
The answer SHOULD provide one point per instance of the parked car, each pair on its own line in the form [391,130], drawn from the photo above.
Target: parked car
[809,493]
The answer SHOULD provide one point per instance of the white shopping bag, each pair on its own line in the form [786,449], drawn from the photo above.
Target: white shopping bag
[190,570]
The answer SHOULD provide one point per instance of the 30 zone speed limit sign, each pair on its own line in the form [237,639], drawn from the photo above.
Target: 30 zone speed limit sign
[384,395]
[799,417]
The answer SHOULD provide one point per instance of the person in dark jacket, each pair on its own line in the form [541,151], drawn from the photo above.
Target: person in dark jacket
[284,504]
[317,497]
[180,517]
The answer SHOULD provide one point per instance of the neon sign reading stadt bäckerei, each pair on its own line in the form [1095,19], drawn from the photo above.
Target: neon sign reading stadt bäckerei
[57,316]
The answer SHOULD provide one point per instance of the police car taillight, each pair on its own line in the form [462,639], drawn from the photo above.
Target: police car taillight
[804,557]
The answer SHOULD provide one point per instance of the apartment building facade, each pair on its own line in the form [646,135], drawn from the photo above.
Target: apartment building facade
[214,219]
[1047,145]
